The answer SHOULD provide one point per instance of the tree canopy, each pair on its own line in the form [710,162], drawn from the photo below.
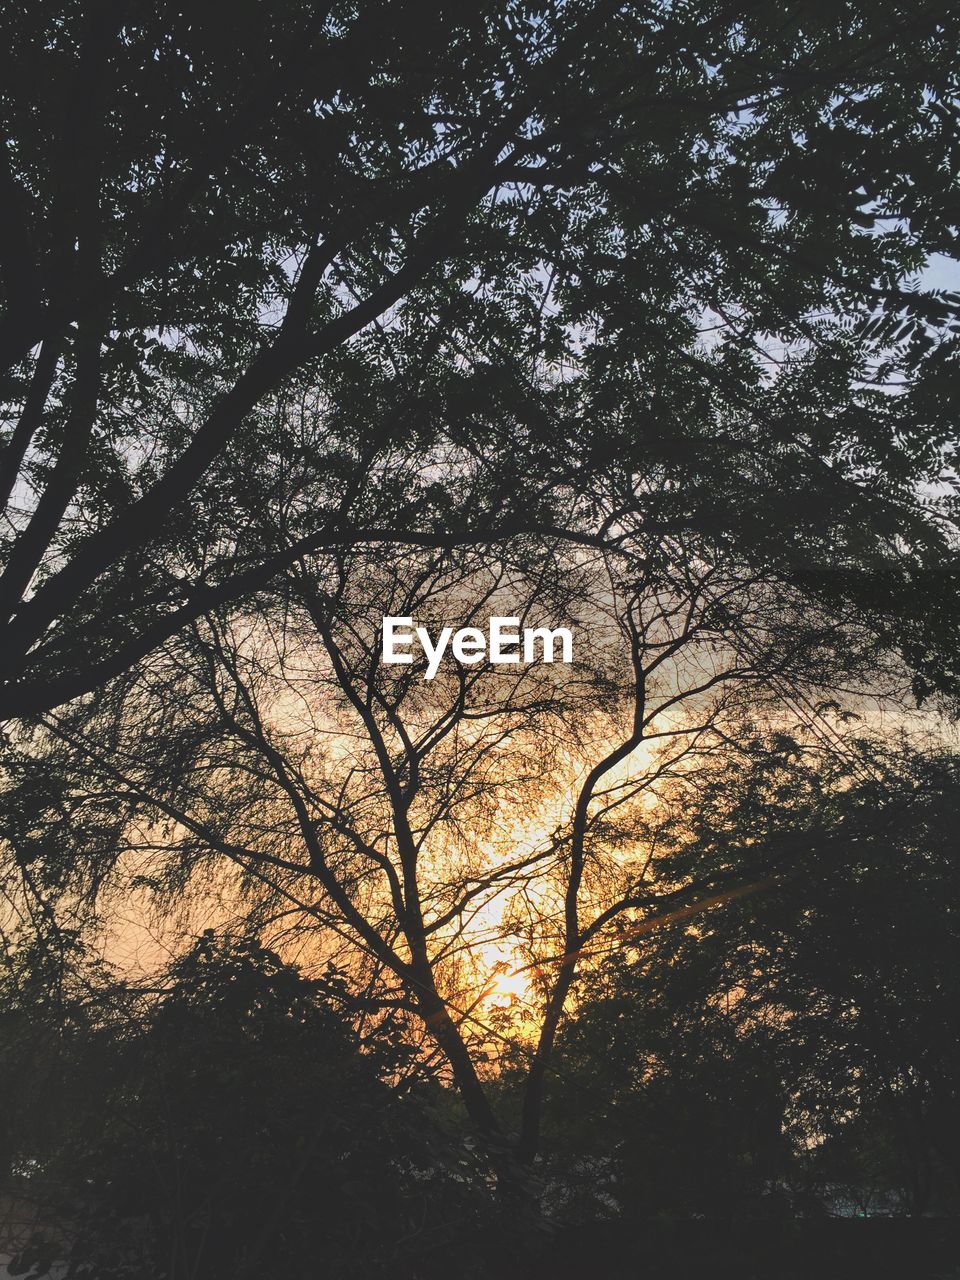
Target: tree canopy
[792,1053]
[615,316]
[553,242]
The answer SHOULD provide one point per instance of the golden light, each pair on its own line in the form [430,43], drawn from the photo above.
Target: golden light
[505,981]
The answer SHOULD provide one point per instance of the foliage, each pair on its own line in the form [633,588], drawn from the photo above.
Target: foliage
[231,1124]
[553,244]
[795,1051]
[604,313]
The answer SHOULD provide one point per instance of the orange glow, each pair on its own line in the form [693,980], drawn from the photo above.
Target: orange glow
[505,983]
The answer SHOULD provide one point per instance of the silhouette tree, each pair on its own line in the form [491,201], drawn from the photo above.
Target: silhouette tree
[434,219]
[795,1052]
[598,314]
[229,1121]
[426,832]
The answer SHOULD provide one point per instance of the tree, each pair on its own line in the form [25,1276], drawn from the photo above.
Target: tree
[500,235]
[796,1050]
[421,822]
[227,1121]
[599,313]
